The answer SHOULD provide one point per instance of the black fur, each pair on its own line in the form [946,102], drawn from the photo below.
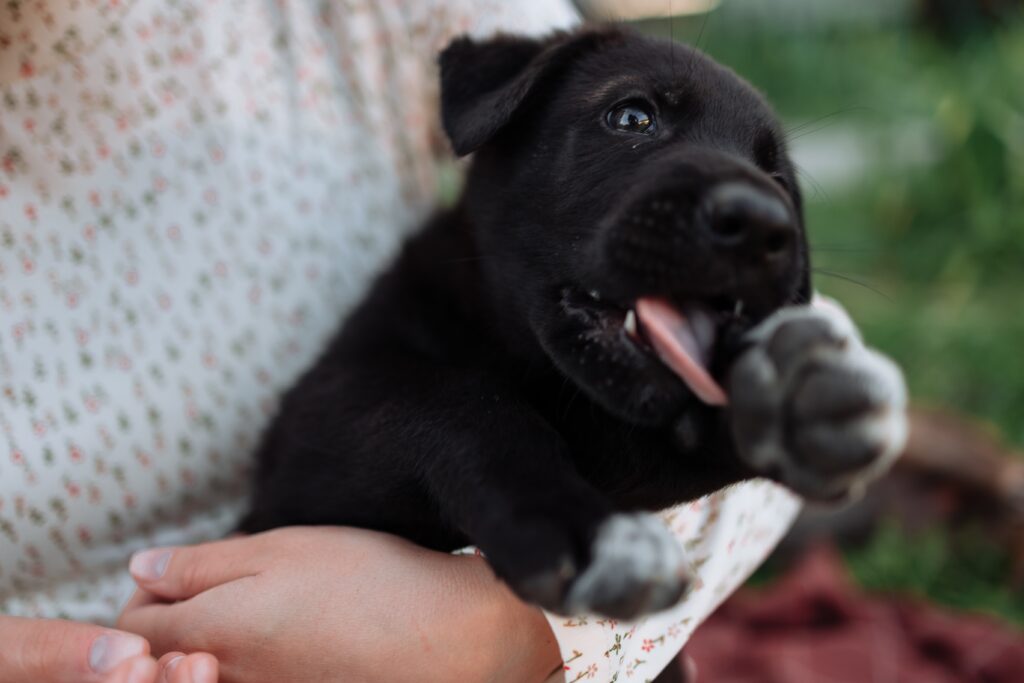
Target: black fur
[479,395]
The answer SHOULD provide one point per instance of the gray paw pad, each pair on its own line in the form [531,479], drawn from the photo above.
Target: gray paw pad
[813,406]
[637,566]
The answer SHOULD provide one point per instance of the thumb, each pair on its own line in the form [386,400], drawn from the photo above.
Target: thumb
[57,651]
[184,572]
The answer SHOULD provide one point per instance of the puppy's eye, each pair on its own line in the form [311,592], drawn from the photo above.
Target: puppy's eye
[632,118]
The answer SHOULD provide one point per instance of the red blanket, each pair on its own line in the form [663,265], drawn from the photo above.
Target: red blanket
[813,626]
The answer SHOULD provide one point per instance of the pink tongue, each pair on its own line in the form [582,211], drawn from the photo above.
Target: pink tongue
[673,336]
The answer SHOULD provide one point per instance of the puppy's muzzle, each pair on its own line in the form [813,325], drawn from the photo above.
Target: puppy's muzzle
[710,226]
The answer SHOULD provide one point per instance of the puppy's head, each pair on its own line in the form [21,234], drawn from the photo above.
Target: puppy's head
[634,204]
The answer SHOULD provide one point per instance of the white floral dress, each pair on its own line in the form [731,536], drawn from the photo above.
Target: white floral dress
[192,193]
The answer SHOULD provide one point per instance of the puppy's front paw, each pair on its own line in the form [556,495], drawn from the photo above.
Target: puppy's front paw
[636,567]
[814,408]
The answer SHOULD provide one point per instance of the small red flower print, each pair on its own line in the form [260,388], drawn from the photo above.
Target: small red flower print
[74,490]
[30,125]
[27,69]
[648,645]
[30,212]
[132,277]
[4,191]
[76,454]
[174,233]
[16,457]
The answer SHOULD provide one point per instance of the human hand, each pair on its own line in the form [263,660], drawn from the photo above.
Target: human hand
[58,651]
[332,604]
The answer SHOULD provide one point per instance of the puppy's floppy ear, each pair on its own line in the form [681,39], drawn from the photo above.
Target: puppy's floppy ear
[485,83]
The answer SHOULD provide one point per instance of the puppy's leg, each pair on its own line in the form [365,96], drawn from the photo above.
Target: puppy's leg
[504,477]
[813,407]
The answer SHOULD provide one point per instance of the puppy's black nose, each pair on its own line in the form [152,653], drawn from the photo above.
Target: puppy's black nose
[751,222]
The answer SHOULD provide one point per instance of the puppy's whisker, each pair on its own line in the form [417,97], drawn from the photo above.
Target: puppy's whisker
[818,189]
[841,245]
[696,56]
[842,250]
[838,112]
[852,280]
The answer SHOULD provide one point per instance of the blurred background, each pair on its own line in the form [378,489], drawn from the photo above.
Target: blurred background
[907,121]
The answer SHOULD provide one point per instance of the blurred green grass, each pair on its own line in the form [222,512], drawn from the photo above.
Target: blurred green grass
[929,222]
[961,570]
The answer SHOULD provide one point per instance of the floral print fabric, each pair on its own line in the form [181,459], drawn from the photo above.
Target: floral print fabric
[192,194]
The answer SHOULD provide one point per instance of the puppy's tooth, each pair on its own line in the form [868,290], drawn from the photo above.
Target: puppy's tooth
[594,295]
[630,323]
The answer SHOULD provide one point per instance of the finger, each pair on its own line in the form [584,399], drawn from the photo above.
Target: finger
[183,572]
[190,625]
[140,598]
[56,651]
[165,661]
[161,625]
[177,667]
[195,668]
[170,668]
[140,669]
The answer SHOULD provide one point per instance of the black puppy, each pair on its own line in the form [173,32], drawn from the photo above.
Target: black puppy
[540,362]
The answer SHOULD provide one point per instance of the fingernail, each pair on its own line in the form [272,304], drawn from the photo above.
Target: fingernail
[110,649]
[149,565]
[170,666]
[204,671]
